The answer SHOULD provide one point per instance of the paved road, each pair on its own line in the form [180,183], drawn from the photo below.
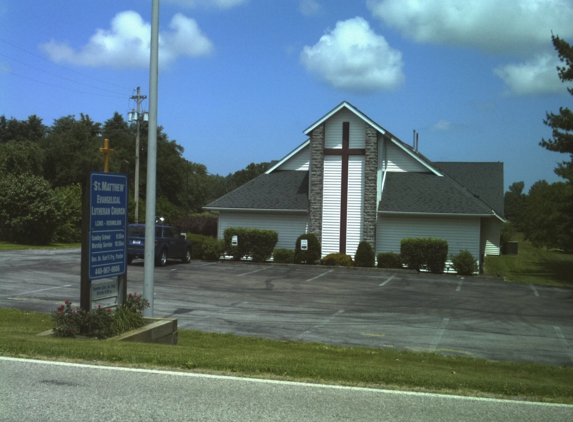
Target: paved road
[53,391]
[421,312]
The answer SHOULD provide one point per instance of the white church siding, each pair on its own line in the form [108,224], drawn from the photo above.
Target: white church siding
[298,162]
[333,130]
[490,236]
[355,211]
[397,159]
[331,205]
[460,232]
[289,226]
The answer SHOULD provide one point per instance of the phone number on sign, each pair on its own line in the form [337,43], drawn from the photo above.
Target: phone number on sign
[107,270]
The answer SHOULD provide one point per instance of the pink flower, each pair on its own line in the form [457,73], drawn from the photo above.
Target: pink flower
[99,306]
[108,309]
[67,301]
[130,295]
[135,293]
[61,312]
[73,330]
[75,312]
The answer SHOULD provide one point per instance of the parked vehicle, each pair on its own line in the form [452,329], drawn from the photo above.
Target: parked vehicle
[168,244]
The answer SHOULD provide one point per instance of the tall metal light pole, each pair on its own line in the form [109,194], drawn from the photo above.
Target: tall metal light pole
[149,265]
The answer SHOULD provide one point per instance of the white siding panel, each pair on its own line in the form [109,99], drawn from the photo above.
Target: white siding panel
[333,130]
[288,226]
[355,203]
[331,205]
[400,161]
[298,162]
[460,233]
[490,236]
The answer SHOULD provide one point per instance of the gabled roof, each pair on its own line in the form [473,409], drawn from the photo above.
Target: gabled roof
[424,193]
[405,147]
[277,164]
[285,191]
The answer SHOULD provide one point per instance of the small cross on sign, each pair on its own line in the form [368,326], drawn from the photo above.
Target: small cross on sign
[106,151]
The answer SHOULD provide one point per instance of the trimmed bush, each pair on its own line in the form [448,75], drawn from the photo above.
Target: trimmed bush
[337,259]
[197,242]
[283,256]
[212,249]
[364,256]
[418,253]
[310,256]
[256,243]
[464,263]
[205,224]
[389,260]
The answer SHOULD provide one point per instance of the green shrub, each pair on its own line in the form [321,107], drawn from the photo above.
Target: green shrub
[464,263]
[212,249]
[364,256]
[437,255]
[256,243]
[418,253]
[389,260]
[197,242]
[337,259]
[312,254]
[283,256]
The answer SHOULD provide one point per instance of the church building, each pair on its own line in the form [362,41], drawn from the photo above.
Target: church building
[352,180]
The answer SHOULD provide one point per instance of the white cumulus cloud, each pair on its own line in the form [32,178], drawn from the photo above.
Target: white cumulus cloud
[493,26]
[218,4]
[536,76]
[354,57]
[308,7]
[127,43]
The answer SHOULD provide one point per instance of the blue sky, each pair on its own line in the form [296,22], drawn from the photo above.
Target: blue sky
[240,80]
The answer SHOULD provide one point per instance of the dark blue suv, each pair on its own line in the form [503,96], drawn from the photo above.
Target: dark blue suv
[168,244]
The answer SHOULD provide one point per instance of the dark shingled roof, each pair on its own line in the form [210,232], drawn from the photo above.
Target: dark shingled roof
[485,180]
[428,193]
[280,190]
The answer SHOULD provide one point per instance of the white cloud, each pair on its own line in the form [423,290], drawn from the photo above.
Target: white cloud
[309,7]
[533,77]
[354,57]
[442,125]
[492,26]
[127,43]
[218,4]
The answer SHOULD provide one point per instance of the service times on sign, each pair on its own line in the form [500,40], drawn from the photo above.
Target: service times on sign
[108,222]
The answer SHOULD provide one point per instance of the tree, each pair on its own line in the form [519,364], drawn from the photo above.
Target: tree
[562,123]
[514,204]
[17,157]
[30,211]
[546,221]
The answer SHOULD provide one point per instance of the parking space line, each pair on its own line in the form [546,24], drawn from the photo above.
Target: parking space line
[36,291]
[389,279]
[252,272]
[534,290]
[438,335]
[564,341]
[318,276]
[459,285]
[322,324]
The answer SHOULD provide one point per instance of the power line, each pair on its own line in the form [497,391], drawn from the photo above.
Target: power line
[58,76]
[59,65]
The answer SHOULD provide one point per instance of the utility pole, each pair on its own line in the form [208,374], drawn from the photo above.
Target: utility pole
[138,98]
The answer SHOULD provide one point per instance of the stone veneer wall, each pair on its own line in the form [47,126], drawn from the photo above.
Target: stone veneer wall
[370,187]
[316,181]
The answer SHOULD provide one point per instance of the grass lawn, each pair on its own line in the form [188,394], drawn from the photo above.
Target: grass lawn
[298,361]
[7,246]
[533,265]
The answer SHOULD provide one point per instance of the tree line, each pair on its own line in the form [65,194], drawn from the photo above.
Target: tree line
[41,169]
[545,214]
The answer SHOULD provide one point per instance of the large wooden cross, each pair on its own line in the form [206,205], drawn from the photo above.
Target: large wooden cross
[345,153]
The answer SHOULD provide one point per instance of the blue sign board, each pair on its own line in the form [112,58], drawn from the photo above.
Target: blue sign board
[108,223]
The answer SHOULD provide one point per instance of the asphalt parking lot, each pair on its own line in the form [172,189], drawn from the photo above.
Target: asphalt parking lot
[472,316]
